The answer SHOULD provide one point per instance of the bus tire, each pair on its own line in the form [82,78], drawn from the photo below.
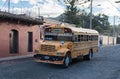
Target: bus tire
[67,60]
[88,56]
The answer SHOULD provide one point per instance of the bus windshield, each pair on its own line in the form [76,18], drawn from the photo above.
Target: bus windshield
[58,34]
[58,38]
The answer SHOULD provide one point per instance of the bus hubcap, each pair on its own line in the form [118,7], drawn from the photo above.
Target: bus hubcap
[67,61]
[90,55]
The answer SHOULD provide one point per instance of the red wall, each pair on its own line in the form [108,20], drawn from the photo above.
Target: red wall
[23,30]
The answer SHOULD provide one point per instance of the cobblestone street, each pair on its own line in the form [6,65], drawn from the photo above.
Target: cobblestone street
[104,65]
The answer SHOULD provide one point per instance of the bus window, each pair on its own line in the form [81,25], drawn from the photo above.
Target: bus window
[85,37]
[89,38]
[58,34]
[75,38]
[81,38]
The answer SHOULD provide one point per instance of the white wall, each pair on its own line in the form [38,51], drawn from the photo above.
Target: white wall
[108,40]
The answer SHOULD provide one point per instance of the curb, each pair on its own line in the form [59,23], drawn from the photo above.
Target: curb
[15,57]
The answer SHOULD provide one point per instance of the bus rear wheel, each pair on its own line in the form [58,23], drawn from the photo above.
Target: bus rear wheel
[88,56]
[67,60]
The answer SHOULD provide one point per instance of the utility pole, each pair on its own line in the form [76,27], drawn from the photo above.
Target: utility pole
[8,5]
[13,9]
[91,1]
[39,12]
[114,31]
[83,14]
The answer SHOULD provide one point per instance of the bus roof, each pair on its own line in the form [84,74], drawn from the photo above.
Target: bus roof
[77,30]
[82,30]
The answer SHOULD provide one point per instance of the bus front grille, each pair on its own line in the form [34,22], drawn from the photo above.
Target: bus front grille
[48,48]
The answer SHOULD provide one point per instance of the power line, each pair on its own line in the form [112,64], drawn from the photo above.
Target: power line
[113,5]
[21,2]
[4,4]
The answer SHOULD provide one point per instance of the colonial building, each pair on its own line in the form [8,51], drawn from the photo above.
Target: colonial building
[19,34]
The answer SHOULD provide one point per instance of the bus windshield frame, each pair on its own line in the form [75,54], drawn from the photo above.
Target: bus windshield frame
[58,37]
[58,34]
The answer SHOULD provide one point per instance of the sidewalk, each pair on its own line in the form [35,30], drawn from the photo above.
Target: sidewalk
[16,57]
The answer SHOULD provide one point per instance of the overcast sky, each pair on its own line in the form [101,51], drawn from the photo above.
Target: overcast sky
[52,8]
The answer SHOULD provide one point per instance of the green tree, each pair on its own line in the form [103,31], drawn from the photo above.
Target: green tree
[99,29]
[76,16]
[102,21]
[71,13]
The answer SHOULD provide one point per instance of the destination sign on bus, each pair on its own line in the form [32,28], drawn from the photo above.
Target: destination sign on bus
[58,30]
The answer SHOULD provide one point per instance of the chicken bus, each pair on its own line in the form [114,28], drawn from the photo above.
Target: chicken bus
[61,44]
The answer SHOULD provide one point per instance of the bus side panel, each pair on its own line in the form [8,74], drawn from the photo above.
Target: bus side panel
[80,49]
[83,48]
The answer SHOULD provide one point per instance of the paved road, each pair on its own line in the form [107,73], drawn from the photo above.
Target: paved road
[104,65]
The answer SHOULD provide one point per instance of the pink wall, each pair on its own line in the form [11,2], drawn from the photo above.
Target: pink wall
[23,38]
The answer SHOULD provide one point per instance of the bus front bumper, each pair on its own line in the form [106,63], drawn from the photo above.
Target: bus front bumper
[49,59]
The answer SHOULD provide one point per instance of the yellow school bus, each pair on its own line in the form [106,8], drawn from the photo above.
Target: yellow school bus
[61,44]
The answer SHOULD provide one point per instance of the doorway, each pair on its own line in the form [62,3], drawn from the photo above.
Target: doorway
[30,42]
[13,41]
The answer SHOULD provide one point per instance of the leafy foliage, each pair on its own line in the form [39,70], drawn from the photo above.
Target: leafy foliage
[70,15]
[81,18]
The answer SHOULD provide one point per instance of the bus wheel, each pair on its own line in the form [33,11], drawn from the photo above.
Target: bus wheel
[88,56]
[67,60]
